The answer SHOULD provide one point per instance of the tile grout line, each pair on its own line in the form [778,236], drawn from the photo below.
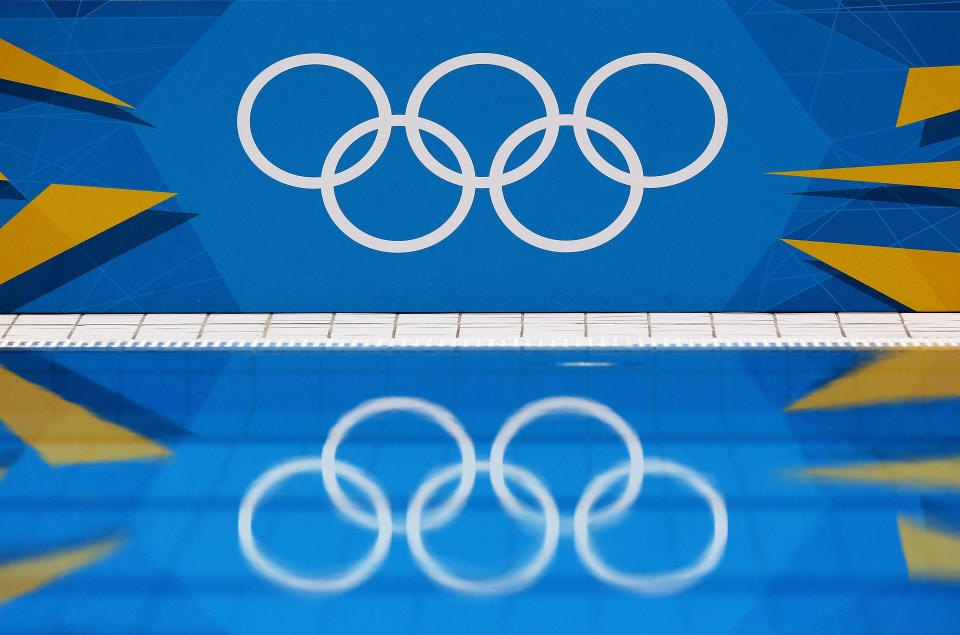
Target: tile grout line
[713,327]
[903,322]
[396,320]
[203,325]
[585,324]
[266,325]
[843,332]
[75,324]
[521,323]
[776,325]
[136,332]
[459,319]
[333,316]
[649,326]
[14,321]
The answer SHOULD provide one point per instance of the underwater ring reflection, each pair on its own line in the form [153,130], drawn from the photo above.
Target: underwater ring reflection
[544,514]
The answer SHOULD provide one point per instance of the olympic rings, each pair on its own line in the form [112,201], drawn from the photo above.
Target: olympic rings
[497,177]
[441,416]
[418,520]
[565,405]
[344,582]
[660,583]
[510,582]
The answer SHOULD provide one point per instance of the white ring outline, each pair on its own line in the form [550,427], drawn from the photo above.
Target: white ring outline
[328,185]
[658,583]
[720,115]
[253,152]
[529,236]
[566,405]
[508,582]
[269,569]
[434,413]
[547,96]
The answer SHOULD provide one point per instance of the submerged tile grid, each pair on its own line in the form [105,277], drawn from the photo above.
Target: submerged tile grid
[479,329]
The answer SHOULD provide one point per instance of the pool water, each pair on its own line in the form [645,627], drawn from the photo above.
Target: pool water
[480,491]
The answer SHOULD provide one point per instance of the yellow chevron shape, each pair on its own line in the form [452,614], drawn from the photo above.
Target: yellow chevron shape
[911,375]
[930,91]
[63,432]
[945,174]
[29,574]
[3,178]
[936,473]
[17,65]
[63,216]
[931,554]
[923,280]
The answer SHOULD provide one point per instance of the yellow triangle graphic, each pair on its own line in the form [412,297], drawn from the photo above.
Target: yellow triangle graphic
[63,216]
[912,375]
[930,91]
[17,65]
[930,553]
[63,432]
[921,279]
[29,574]
[945,174]
[927,473]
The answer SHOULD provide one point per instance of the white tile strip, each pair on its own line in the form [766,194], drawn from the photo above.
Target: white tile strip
[480,330]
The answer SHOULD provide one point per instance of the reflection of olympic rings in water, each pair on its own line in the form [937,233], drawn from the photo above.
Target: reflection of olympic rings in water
[466,178]
[419,518]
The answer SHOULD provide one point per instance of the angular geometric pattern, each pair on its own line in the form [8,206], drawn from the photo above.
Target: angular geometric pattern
[931,554]
[62,217]
[945,174]
[930,92]
[28,574]
[919,473]
[903,376]
[921,279]
[64,433]
[19,66]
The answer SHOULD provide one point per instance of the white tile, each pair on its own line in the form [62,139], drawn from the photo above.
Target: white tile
[365,318]
[301,318]
[872,325]
[680,318]
[238,318]
[405,319]
[182,319]
[7,318]
[930,319]
[490,318]
[869,318]
[808,325]
[168,332]
[362,329]
[105,319]
[39,331]
[104,332]
[297,331]
[758,330]
[617,330]
[232,332]
[48,318]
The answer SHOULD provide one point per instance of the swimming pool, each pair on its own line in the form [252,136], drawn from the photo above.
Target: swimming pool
[642,491]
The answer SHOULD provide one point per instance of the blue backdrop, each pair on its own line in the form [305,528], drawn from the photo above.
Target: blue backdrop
[805,85]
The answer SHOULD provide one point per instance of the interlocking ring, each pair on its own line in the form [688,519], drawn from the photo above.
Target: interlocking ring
[441,416]
[418,520]
[268,568]
[497,176]
[507,583]
[659,583]
[566,405]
